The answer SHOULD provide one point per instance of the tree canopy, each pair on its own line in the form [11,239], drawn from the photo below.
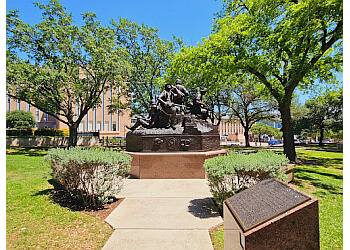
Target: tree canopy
[66,66]
[264,129]
[284,44]
[249,105]
[323,114]
[149,57]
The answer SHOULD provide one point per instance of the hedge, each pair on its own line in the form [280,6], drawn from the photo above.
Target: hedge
[20,132]
[52,132]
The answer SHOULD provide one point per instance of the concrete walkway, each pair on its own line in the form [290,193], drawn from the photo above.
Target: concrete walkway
[163,214]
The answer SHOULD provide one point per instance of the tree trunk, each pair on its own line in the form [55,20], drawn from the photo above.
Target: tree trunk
[73,135]
[246,136]
[288,132]
[320,140]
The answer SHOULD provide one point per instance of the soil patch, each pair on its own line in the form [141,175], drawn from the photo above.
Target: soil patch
[64,199]
[105,211]
[302,161]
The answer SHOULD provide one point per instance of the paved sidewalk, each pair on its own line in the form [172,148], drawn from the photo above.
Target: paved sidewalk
[163,214]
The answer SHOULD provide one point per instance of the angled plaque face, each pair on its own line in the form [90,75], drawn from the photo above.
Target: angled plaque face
[262,202]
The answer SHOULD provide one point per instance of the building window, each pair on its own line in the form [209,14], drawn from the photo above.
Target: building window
[81,127]
[37,114]
[118,120]
[106,126]
[46,118]
[98,126]
[95,115]
[77,109]
[18,105]
[86,122]
[110,103]
[8,104]
[28,107]
[90,126]
[103,108]
[114,126]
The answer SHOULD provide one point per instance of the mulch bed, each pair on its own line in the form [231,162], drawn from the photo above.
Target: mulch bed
[103,213]
[62,198]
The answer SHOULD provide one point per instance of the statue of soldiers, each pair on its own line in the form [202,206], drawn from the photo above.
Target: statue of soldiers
[167,105]
[151,122]
[199,107]
[180,101]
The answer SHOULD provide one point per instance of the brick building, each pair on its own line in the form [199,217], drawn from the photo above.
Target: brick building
[232,130]
[97,119]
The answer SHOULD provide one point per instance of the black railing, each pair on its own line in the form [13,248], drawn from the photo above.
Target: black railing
[89,133]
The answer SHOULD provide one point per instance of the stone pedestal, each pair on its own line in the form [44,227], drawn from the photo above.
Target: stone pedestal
[170,165]
[271,215]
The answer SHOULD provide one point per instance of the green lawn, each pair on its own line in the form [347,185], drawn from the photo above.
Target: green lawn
[320,174]
[33,220]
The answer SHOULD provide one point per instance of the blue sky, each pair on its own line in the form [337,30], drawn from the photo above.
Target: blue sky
[191,20]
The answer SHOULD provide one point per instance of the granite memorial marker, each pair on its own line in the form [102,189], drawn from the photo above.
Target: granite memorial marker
[271,215]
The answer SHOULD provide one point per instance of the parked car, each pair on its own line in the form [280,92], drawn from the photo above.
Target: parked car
[297,142]
[274,142]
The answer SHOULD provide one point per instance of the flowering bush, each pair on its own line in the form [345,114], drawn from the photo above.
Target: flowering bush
[235,172]
[93,176]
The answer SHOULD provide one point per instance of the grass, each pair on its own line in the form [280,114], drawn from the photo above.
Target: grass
[33,220]
[319,173]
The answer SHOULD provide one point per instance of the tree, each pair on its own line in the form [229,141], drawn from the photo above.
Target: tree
[264,129]
[199,67]
[20,119]
[65,66]
[325,113]
[149,57]
[249,106]
[285,44]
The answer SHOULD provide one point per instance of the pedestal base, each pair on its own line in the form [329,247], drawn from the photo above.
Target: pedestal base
[170,165]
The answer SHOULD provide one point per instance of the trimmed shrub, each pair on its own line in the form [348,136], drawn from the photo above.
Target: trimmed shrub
[235,172]
[20,119]
[93,176]
[19,132]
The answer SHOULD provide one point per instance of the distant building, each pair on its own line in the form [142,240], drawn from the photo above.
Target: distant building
[231,129]
[97,119]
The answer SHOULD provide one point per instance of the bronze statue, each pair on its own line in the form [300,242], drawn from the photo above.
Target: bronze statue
[180,101]
[167,106]
[170,128]
[198,107]
[151,122]
[171,102]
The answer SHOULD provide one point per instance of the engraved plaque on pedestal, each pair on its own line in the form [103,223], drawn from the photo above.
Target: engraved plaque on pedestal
[263,202]
[271,215]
